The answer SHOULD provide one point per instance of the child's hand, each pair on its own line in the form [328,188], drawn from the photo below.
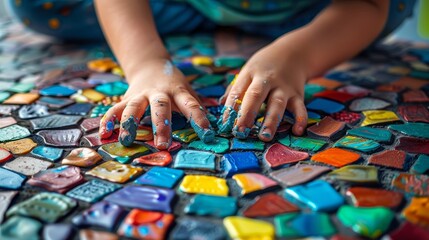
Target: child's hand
[275,74]
[162,86]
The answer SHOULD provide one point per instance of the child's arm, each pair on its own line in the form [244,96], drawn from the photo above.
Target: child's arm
[280,70]
[154,80]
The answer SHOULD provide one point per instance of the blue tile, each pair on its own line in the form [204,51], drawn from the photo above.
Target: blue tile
[192,159]
[161,177]
[10,179]
[239,162]
[207,205]
[324,105]
[58,91]
[50,153]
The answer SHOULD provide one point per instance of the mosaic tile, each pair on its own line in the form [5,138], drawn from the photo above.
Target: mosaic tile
[57,231]
[144,133]
[102,78]
[231,62]
[420,130]
[410,82]
[341,97]
[416,211]
[345,116]
[33,111]
[411,145]
[364,104]
[54,121]
[60,138]
[219,145]
[82,157]
[309,193]
[185,135]
[390,97]
[208,80]
[302,143]
[253,182]
[143,224]
[239,162]
[268,205]
[389,158]
[7,121]
[22,98]
[201,184]
[57,91]
[4,96]
[216,206]
[45,206]
[148,198]
[22,146]
[354,90]
[60,179]
[161,177]
[239,144]
[92,95]
[277,155]
[415,96]
[13,132]
[373,117]
[414,185]
[298,174]
[376,134]
[374,197]
[421,165]
[27,165]
[358,144]
[326,106]
[18,227]
[115,172]
[326,128]
[303,225]
[324,82]
[414,113]
[368,222]
[311,89]
[247,228]
[121,153]
[409,231]
[88,234]
[94,139]
[191,159]
[77,109]
[162,158]
[336,157]
[112,88]
[173,147]
[6,198]
[356,173]
[202,229]
[5,155]
[55,102]
[93,190]
[8,109]
[101,214]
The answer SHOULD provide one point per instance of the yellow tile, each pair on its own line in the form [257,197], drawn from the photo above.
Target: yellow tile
[252,182]
[417,211]
[204,185]
[202,60]
[93,95]
[378,116]
[115,172]
[102,65]
[22,146]
[247,228]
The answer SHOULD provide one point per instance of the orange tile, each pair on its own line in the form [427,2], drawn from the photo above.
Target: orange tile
[22,98]
[410,82]
[335,157]
[324,82]
[417,211]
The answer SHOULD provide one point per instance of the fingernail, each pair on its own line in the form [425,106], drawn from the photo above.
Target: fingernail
[241,132]
[162,145]
[266,133]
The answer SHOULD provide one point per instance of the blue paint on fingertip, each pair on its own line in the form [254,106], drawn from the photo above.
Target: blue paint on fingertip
[205,134]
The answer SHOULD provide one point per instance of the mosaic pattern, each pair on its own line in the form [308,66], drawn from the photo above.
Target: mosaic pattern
[365,150]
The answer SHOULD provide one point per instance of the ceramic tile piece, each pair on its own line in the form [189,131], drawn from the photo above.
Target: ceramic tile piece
[378,117]
[77,109]
[219,145]
[311,89]
[55,102]
[102,214]
[368,222]
[336,157]
[54,121]
[231,62]
[61,138]
[162,158]
[247,228]
[48,207]
[191,159]
[389,158]
[412,96]
[239,162]
[102,78]
[144,133]
[239,144]
[367,103]
[421,165]
[420,130]
[338,96]
[161,177]
[94,139]
[59,231]
[4,96]
[18,227]
[356,173]
[414,185]
[90,124]
[376,134]
[410,82]
[57,91]
[416,211]
[298,225]
[60,179]
[411,145]
[49,153]
[345,116]
[268,205]
[121,153]
[27,165]
[8,109]
[208,80]
[173,147]
[357,144]
[92,95]
[324,105]
[324,82]
[302,143]
[112,89]
[326,128]
[185,135]
[22,146]
[298,174]
[204,185]
[5,155]
[13,132]
[409,231]
[7,121]
[6,198]
[391,97]
[82,157]
[253,182]
[143,224]
[115,172]
[309,195]
[277,155]
[354,90]
[201,229]
[88,234]
[148,198]
[93,190]
[33,111]
[374,197]
[216,206]
[22,98]
[414,113]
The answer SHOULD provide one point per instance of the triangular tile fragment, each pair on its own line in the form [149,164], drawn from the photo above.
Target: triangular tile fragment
[268,205]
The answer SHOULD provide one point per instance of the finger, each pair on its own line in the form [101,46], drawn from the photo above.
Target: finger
[107,122]
[195,113]
[252,101]
[222,99]
[229,112]
[130,119]
[275,110]
[297,107]
[161,120]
